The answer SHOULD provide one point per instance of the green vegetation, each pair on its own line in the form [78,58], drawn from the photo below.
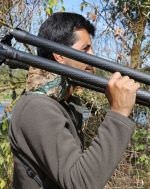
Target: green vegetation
[6,161]
[127,25]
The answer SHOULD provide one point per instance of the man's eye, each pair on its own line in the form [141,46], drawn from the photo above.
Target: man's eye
[86,48]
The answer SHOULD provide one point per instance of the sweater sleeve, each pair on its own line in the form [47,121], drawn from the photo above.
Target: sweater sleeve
[45,130]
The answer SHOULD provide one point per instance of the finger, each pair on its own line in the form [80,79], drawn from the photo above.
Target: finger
[115,76]
[136,86]
[125,78]
[133,86]
[128,81]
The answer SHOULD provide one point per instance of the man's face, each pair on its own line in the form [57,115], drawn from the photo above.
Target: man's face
[83,43]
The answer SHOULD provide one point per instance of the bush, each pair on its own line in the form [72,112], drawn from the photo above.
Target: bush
[6,160]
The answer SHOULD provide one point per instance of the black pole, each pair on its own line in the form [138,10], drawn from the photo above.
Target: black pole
[14,64]
[17,64]
[95,61]
[143,97]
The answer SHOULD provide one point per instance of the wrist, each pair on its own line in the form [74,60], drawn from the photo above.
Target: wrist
[121,111]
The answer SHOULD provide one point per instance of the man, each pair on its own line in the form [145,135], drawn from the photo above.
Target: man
[45,133]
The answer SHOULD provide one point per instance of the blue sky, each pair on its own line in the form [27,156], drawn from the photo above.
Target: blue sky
[104,46]
[73,6]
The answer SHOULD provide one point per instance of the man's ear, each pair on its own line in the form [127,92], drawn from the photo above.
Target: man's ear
[59,58]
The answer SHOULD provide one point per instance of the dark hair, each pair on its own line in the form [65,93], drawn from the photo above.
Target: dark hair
[60,27]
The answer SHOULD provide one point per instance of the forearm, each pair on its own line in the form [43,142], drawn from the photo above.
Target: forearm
[95,166]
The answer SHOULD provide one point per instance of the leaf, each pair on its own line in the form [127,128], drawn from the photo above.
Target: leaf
[92,16]
[83,5]
[53,3]
[143,158]
[61,1]
[49,11]
[140,147]
[62,9]
[1,161]
[2,184]
[118,32]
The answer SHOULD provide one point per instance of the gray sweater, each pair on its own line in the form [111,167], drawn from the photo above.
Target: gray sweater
[43,133]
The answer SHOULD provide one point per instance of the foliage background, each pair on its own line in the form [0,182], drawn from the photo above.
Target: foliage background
[123,36]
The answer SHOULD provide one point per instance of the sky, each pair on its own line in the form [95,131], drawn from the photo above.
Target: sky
[72,5]
[104,45]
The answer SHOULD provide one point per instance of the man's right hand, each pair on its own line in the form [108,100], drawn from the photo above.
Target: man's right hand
[121,93]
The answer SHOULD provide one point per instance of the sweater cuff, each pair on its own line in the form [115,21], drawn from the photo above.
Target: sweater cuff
[119,117]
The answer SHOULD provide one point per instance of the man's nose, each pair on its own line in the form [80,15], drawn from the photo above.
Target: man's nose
[90,51]
[90,68]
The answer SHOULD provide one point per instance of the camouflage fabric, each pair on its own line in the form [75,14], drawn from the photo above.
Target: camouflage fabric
[41,81]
